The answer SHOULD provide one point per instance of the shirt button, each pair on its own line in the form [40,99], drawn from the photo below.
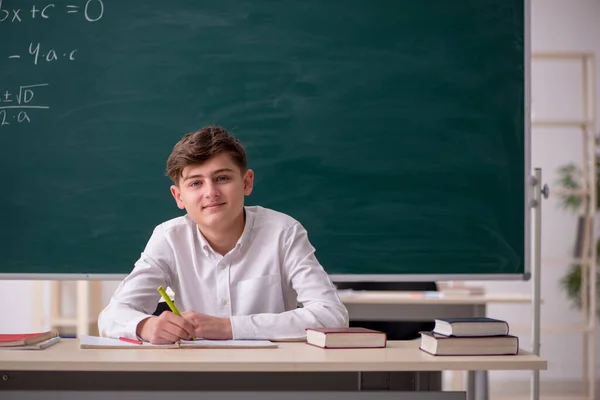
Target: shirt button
[224,302]
[222,267]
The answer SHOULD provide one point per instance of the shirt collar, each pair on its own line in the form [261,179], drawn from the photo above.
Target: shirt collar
[245,237]
[242,241]
[203,243]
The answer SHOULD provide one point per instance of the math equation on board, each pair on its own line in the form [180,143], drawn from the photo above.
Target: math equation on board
[19,103]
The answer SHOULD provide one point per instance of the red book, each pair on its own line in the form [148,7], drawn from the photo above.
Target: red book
[345,338]
[24,339]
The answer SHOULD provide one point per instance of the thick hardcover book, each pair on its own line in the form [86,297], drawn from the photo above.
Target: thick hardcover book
[338,338]
[440,345]
[475,326]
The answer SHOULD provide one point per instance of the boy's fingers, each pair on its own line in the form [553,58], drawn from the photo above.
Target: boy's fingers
[180,327]
[168,336]
[188,327]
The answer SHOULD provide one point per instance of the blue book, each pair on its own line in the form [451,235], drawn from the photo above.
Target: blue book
[471,327]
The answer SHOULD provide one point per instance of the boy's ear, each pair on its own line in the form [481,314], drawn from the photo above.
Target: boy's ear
[177,196]
[248,182]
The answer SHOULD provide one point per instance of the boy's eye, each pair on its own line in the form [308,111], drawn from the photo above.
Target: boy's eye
[222,178]
[195,183]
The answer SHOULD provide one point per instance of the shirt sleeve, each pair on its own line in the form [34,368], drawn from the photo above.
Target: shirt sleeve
[321,305]
[136,297]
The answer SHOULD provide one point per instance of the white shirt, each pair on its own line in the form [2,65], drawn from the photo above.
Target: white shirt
[258,284]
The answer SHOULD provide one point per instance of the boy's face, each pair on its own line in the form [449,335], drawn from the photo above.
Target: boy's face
[213,193]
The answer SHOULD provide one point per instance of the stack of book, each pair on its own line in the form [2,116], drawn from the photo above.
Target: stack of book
[28,341]
[469,337]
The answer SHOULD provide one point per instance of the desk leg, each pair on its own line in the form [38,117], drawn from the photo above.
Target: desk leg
[477,385]
[481,377]
[471,385]
[481,385]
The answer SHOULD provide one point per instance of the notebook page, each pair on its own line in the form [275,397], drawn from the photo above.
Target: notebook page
[244,344]
[97,342]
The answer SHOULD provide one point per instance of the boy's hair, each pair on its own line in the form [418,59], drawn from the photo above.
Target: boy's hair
[197,147]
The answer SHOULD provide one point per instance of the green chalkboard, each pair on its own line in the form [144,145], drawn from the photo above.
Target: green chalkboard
[394,130]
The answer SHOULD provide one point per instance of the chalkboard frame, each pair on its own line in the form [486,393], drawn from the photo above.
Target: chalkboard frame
[526,275]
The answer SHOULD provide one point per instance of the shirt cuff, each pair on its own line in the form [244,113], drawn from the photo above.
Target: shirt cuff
[131,326]
[242,327]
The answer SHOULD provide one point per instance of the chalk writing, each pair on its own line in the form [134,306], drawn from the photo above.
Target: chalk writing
[47,55]
[14,107]
[92,10]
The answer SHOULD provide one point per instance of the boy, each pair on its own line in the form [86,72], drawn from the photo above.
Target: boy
[239,272]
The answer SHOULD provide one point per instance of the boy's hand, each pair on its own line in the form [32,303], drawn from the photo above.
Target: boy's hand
[167,328]
[207,326]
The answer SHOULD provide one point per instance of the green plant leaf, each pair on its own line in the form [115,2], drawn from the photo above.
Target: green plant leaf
[571,285]
[569,178]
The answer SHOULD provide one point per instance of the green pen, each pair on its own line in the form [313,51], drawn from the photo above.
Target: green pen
[170,303]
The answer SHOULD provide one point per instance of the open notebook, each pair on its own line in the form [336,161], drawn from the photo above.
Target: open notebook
[96,342]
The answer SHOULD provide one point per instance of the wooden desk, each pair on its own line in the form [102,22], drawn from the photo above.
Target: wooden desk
[414,306]
[291,367]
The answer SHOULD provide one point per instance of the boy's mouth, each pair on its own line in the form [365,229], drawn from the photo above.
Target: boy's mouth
[213,205]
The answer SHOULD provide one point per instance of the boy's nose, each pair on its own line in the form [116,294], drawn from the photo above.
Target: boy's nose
[212,190]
